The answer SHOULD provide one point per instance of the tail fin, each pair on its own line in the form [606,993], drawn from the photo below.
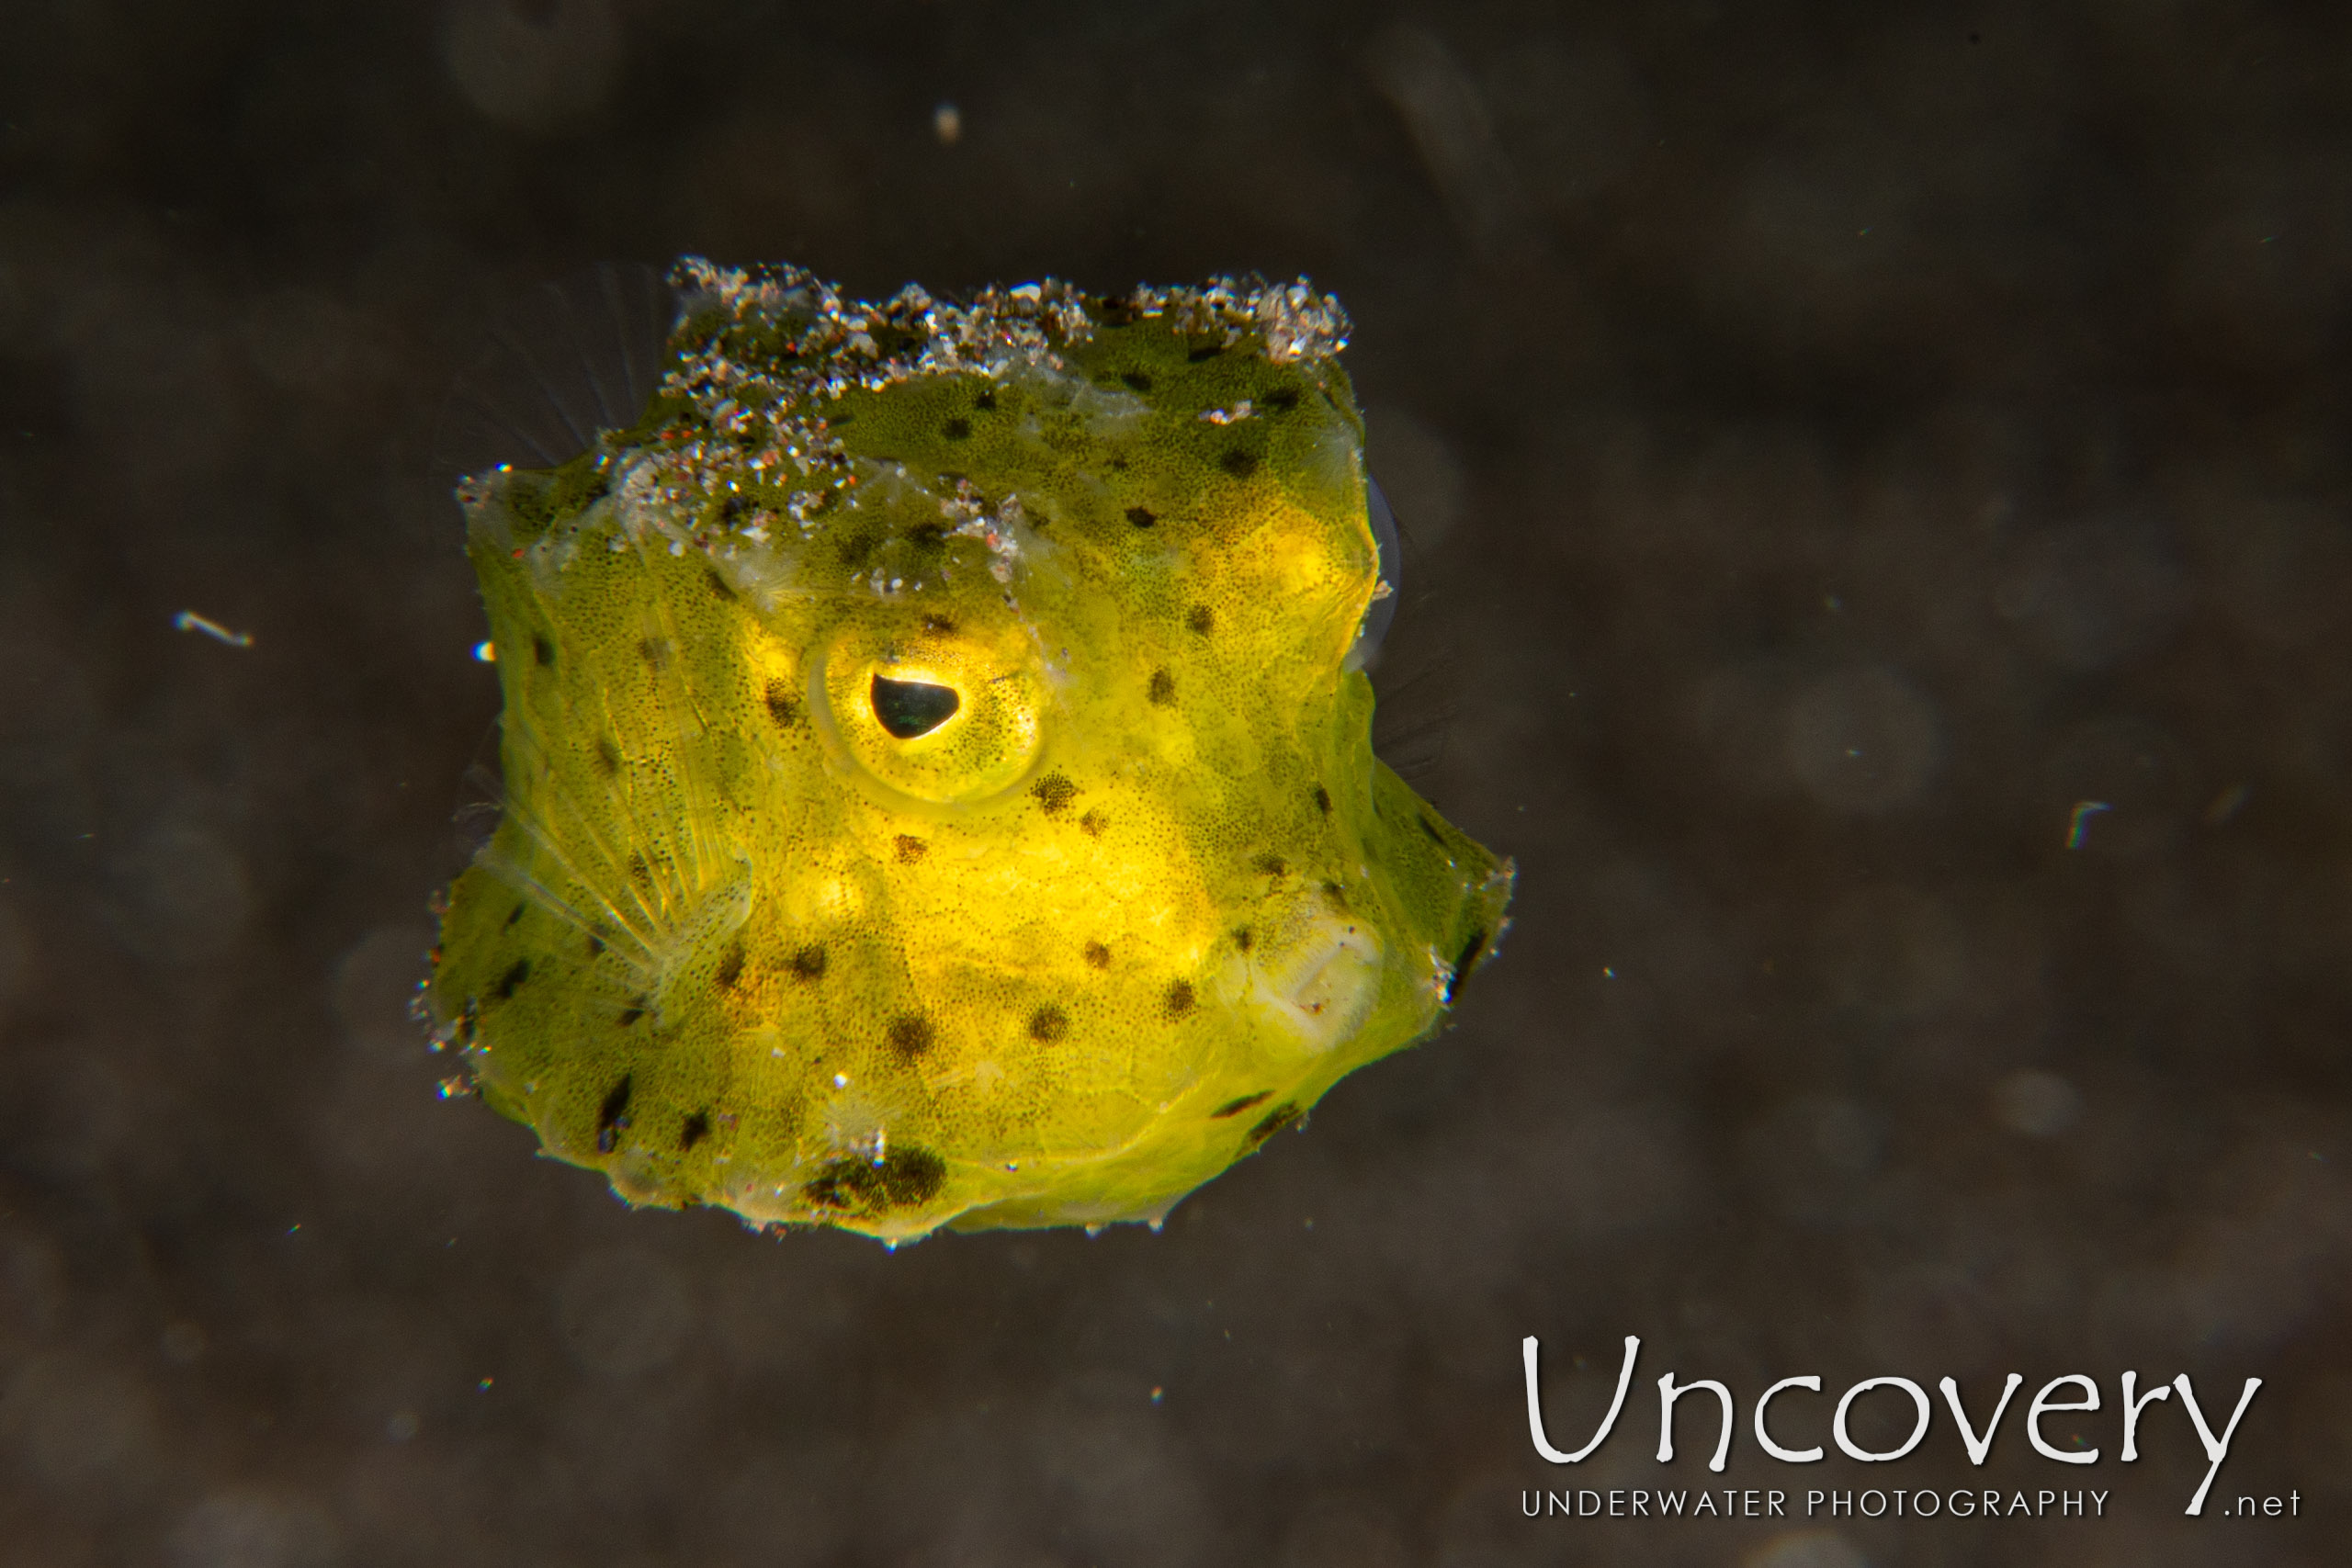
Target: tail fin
[574,357]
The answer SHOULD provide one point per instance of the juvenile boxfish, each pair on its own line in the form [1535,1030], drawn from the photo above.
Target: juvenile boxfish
[938,778]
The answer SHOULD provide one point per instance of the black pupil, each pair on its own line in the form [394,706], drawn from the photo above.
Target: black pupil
[909,708]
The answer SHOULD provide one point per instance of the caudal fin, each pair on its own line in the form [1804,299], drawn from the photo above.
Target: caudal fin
[573,357]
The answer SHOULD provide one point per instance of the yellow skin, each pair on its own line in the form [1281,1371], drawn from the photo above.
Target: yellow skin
[1130,910]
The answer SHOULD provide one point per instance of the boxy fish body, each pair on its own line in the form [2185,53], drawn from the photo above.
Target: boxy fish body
[938,785]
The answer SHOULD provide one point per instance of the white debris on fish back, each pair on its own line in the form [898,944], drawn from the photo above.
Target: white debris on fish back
[709,481]
[759,411]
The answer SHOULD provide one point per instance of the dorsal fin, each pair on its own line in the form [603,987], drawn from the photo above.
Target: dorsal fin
[572,357]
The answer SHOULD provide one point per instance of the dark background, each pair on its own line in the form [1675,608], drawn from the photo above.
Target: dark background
[1843,438]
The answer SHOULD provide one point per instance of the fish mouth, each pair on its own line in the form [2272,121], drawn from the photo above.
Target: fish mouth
[1315,977]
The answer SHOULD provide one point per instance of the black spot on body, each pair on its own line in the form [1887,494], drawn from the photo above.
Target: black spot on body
[912,1174]
[906,1175]
[1323,800]
[543,650]
[957,429]
[1142,516]
[1137,380]
[731,968]
[1245,939]
[1180,999]
[1206,351]
[517,972]
[1201,618]
[809,963]
[1098,956]
[1054,793]
[1271,865]
[1236,1107]
[1281,399]
[928,538]
[612,1118]
[986,402]
[783,707]
[941,626]
[1237,462]
[696,1129]
[608,756]
[1274,1121]
[909,849]
[1462,962]
[515,917]
[910,1034]
[1163,688]
[1049,1024]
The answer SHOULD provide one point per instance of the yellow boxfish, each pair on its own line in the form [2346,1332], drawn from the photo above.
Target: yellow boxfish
[938,777]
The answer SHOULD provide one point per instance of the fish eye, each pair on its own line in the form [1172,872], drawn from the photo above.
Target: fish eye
[909,708]
[949,716]
[1383,610]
